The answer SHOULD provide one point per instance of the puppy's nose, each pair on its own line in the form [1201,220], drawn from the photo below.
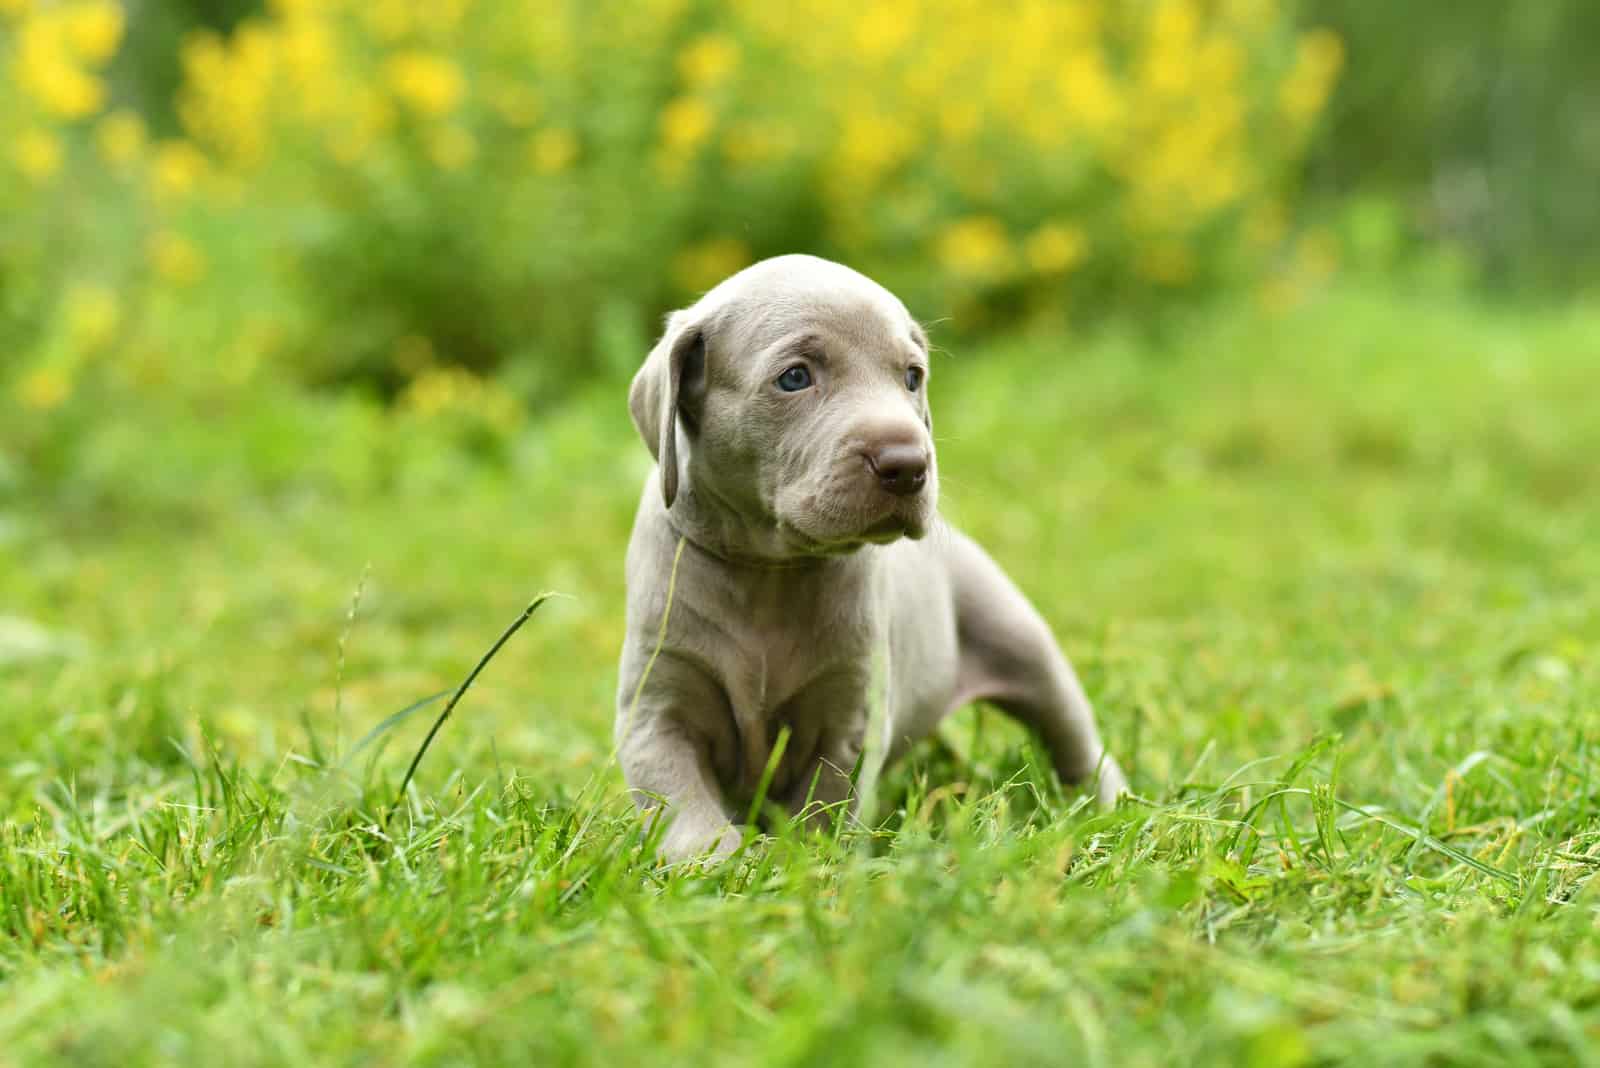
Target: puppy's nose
[901,469]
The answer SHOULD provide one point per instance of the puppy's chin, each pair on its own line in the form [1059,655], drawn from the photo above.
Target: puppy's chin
[895,526]
[881,527]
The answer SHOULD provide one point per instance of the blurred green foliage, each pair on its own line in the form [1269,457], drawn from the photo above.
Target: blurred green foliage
[467,207]
[387,193]
[1479,122]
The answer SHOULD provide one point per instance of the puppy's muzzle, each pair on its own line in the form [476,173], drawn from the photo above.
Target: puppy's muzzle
[900,469]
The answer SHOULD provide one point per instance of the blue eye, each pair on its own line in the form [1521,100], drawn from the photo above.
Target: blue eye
[914,378]
[795,379]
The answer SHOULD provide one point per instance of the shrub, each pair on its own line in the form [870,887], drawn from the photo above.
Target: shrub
[368,191]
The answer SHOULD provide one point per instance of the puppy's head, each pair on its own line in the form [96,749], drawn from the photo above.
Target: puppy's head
[791,401]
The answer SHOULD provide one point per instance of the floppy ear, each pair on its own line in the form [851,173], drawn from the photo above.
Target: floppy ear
[653,397]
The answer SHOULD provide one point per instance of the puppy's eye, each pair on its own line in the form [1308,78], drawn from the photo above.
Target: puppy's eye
[795,379]
[914,376]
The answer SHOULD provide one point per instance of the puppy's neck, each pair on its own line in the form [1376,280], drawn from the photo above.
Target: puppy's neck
[720,531]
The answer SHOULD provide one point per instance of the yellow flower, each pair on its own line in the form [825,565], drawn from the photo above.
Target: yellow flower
[120,137]
[960,119]
[44,388]
[441,16]
[1318,57]
[430,84]
[514,102]
[1166,262]
[871,145]
[49,77]
[752,143]
[452,148]
[553,150]
[91,316]
[975,246]
[685,123]
[176,258]
[455,393]
[1266,224]
[38,154]
[412,354]
[15,8]
[93,28]
[1088,91]
[389,20]
[882,29]
[1056,247]
[708,60]
[701,266]
[178,167]
[1317,253]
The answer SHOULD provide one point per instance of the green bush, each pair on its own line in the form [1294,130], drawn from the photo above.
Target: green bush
[1480,123]
[379,193]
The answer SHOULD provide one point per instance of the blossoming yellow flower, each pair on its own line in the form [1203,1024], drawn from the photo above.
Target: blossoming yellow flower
[1088,91]
[412,354]
[514,102]
[451,148]
[1056,247]
[1166,262]
[685,123]
[454,393]
[708,60]
[91,315]
[430,84]
[752,143]
[871,144]
[178,167]
[48,75]
[176,258]
[389,20]
[120,137]
[93,28]
[1318,57]
[1316,255]
[38,154]
[1266,224]
[553,150]
[882,29]
[960,119]
[703,265]
[44,388]
[974,246]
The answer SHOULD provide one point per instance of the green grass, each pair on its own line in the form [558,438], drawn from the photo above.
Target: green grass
[1330,576]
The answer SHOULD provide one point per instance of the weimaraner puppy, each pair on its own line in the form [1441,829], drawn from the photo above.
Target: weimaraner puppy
[815,586]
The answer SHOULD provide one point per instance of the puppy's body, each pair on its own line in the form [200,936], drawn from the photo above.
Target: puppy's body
[806,593]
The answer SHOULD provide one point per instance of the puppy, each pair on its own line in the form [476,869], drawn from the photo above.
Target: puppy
[789,518]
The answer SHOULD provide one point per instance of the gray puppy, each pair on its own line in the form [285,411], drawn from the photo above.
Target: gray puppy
[788,414]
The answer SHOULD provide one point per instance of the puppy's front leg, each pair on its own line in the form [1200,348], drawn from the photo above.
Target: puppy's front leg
[666,767]
[664,740]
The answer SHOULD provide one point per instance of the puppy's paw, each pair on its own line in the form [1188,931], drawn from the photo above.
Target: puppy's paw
[687,842]
[1110,783]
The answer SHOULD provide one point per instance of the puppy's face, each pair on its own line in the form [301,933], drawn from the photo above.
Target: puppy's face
[801,410]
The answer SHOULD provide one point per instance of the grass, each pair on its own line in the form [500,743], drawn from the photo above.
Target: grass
[1329,575]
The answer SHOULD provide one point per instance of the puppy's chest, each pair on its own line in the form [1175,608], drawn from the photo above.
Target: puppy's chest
[784,639]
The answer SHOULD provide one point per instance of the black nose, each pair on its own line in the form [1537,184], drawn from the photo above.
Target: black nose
[901,469]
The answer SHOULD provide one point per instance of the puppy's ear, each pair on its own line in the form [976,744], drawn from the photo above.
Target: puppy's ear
[653,397]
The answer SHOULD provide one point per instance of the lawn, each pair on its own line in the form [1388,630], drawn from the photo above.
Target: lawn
[1329,574]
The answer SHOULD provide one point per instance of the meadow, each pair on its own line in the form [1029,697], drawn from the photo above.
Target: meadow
[1327,570]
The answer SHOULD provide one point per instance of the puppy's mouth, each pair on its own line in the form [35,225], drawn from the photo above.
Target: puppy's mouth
[891,527]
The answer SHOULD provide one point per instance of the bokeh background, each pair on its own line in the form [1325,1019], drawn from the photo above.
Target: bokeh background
[1267,337]
[463,209]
